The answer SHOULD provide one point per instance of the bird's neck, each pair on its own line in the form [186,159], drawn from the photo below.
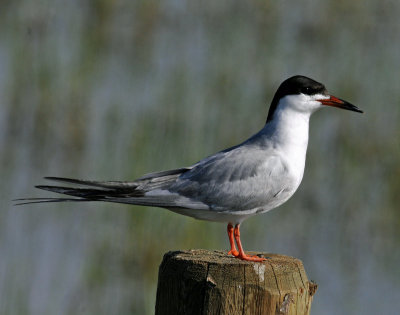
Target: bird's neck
[288,133]
[289,129]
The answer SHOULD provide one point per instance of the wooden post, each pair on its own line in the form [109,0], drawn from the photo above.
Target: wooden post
[212,282]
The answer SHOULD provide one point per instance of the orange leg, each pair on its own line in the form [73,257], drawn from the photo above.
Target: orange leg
[242,255]
[233,250]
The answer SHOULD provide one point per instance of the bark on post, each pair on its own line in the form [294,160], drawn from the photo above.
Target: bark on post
[211,282]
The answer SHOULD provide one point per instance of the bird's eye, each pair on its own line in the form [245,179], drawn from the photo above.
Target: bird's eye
[306,90]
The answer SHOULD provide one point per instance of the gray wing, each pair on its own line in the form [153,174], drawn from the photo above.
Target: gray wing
[239,179]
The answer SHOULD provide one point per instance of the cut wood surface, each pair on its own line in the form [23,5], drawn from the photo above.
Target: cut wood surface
[212,282]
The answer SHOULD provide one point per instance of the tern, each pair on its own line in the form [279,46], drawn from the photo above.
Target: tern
[232,185]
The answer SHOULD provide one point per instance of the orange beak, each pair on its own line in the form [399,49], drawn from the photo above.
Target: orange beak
[337,102]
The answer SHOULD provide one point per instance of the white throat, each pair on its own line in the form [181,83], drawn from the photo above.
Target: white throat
[288,130]
[290,123]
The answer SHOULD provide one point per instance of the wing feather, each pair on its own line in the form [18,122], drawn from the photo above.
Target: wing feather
[239,179]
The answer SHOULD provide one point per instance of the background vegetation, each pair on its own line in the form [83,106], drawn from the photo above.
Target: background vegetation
[112,89]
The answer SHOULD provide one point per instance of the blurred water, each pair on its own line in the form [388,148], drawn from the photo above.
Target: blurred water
[114,89]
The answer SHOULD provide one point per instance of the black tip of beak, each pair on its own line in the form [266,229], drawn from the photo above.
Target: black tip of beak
[348,106]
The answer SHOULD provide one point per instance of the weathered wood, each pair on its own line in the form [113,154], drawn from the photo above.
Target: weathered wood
[211,282]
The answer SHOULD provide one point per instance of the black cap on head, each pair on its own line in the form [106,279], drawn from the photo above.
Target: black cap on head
[295,85]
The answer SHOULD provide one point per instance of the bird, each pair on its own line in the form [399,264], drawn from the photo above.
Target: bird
[231,185]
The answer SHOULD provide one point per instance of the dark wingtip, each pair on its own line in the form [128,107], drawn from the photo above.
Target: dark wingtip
[56,178]
[41,186]
[26,201]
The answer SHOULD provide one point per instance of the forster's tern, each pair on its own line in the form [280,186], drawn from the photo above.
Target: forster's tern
[250,178]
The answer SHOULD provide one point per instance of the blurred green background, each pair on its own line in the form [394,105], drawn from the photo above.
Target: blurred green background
[113,89]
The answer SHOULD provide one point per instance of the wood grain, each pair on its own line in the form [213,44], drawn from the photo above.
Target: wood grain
[211,282]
